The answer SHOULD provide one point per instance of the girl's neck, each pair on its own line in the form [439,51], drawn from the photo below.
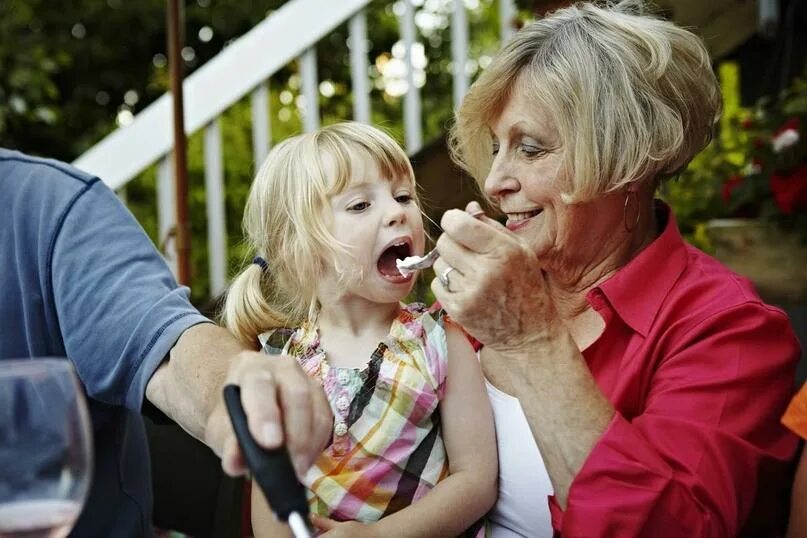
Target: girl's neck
[351,329]
[357,317]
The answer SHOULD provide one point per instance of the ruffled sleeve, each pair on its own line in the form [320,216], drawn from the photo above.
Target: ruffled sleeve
[428,328]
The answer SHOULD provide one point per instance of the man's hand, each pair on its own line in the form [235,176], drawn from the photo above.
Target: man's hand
[282,404]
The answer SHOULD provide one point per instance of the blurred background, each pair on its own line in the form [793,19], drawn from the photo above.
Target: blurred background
[85,81]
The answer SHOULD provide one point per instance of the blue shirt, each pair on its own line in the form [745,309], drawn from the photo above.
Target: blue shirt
[80,279]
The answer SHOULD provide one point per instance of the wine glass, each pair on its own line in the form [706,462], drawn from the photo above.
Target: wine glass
[45,448]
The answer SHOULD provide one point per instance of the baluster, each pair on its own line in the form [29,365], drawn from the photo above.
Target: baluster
[507,13]
[308,71]
[358,67]
[166,212]
[261,126]
[413,131]
[214,197]
[459,51]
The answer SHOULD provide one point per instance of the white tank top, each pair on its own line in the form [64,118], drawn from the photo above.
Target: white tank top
[523,507]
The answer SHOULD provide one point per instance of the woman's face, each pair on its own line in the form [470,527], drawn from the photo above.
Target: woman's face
[527,181]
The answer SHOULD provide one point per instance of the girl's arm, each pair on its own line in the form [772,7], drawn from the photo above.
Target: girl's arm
[264,523]
[470,490]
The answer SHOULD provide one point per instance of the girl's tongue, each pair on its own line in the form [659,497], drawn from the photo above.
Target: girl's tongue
[387,266]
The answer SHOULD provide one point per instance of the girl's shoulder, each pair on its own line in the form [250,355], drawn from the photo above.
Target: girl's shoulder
[274,341]
[282,339]
[418,318]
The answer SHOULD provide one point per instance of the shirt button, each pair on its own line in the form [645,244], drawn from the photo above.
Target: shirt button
[340,429]
[342,377]
[342,403]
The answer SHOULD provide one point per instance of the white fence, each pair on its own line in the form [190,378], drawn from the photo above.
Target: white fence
[244,67]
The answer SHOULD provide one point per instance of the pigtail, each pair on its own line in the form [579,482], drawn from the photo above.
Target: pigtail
[247,310]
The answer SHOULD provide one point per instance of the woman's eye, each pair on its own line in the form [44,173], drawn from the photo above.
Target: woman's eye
[495,149]
[358,207]
[529,150]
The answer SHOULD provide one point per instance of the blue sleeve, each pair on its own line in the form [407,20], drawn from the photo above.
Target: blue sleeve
[120,310]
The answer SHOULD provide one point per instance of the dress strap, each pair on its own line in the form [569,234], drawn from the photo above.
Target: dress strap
[276,341]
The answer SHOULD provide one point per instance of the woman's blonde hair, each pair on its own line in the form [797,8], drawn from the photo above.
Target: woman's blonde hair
[286,223]
[633,97]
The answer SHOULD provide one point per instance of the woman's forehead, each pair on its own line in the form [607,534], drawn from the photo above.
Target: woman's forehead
[522,115]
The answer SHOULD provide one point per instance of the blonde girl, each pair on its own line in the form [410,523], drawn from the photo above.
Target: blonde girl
[413,448]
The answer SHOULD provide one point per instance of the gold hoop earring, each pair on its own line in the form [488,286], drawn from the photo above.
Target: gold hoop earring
[625,220]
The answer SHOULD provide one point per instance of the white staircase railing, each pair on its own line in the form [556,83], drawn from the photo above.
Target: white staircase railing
[244,67]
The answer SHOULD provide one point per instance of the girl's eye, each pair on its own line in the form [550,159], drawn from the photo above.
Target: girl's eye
[403,198]
[358,207]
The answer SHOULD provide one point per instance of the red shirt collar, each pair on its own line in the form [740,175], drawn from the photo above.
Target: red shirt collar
[636,291]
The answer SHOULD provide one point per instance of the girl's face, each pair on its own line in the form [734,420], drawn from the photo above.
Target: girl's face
[378,220]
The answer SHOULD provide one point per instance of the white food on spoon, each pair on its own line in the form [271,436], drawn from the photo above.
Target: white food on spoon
[405,265]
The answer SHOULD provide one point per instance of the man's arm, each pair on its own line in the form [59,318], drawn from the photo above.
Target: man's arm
[121,313]
[281,402]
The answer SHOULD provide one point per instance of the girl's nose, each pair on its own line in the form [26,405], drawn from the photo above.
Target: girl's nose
[396,214]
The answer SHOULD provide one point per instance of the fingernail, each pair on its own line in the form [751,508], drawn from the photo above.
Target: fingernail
[271,434]
[474,209]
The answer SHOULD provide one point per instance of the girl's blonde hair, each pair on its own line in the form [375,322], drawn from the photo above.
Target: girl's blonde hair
[633,97]
[286,223]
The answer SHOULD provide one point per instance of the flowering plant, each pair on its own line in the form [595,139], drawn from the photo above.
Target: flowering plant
[768,172]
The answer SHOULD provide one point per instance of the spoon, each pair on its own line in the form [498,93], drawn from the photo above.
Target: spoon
[410,264]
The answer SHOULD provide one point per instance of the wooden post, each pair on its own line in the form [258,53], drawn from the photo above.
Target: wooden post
[183,238]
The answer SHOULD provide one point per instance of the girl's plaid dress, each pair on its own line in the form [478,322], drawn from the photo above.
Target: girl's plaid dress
[386,450]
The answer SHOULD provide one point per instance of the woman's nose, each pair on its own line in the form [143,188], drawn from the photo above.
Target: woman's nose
[500,180]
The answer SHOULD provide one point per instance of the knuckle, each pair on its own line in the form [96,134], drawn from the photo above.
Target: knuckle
[299,392]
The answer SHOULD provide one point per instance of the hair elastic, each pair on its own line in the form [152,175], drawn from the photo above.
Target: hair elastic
[260,262]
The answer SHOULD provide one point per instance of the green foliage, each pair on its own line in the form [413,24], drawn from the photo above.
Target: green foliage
[741,173]
[693,194]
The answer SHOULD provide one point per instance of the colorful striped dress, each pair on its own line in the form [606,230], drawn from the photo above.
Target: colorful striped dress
[386,451]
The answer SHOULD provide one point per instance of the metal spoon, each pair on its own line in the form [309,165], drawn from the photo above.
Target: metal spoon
[410,264]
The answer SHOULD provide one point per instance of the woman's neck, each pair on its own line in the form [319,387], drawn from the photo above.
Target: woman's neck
[569,284]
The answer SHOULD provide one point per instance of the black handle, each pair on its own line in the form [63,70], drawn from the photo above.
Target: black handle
[271,469]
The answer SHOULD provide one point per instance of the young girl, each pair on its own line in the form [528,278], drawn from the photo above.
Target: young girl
[413,448]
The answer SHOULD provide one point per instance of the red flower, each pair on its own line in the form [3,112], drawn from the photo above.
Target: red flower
[790,192]
[792,123]
[747,123]
[729,185]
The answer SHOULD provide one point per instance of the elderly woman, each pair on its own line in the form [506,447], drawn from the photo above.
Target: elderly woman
[636,382]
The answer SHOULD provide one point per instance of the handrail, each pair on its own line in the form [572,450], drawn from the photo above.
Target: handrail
[215,86]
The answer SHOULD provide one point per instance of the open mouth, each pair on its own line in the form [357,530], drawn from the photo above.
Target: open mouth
[386,262]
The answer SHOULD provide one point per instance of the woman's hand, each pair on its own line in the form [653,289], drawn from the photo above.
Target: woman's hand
[347,529]
[496,290]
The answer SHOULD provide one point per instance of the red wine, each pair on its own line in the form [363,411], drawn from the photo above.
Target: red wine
[50,518]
